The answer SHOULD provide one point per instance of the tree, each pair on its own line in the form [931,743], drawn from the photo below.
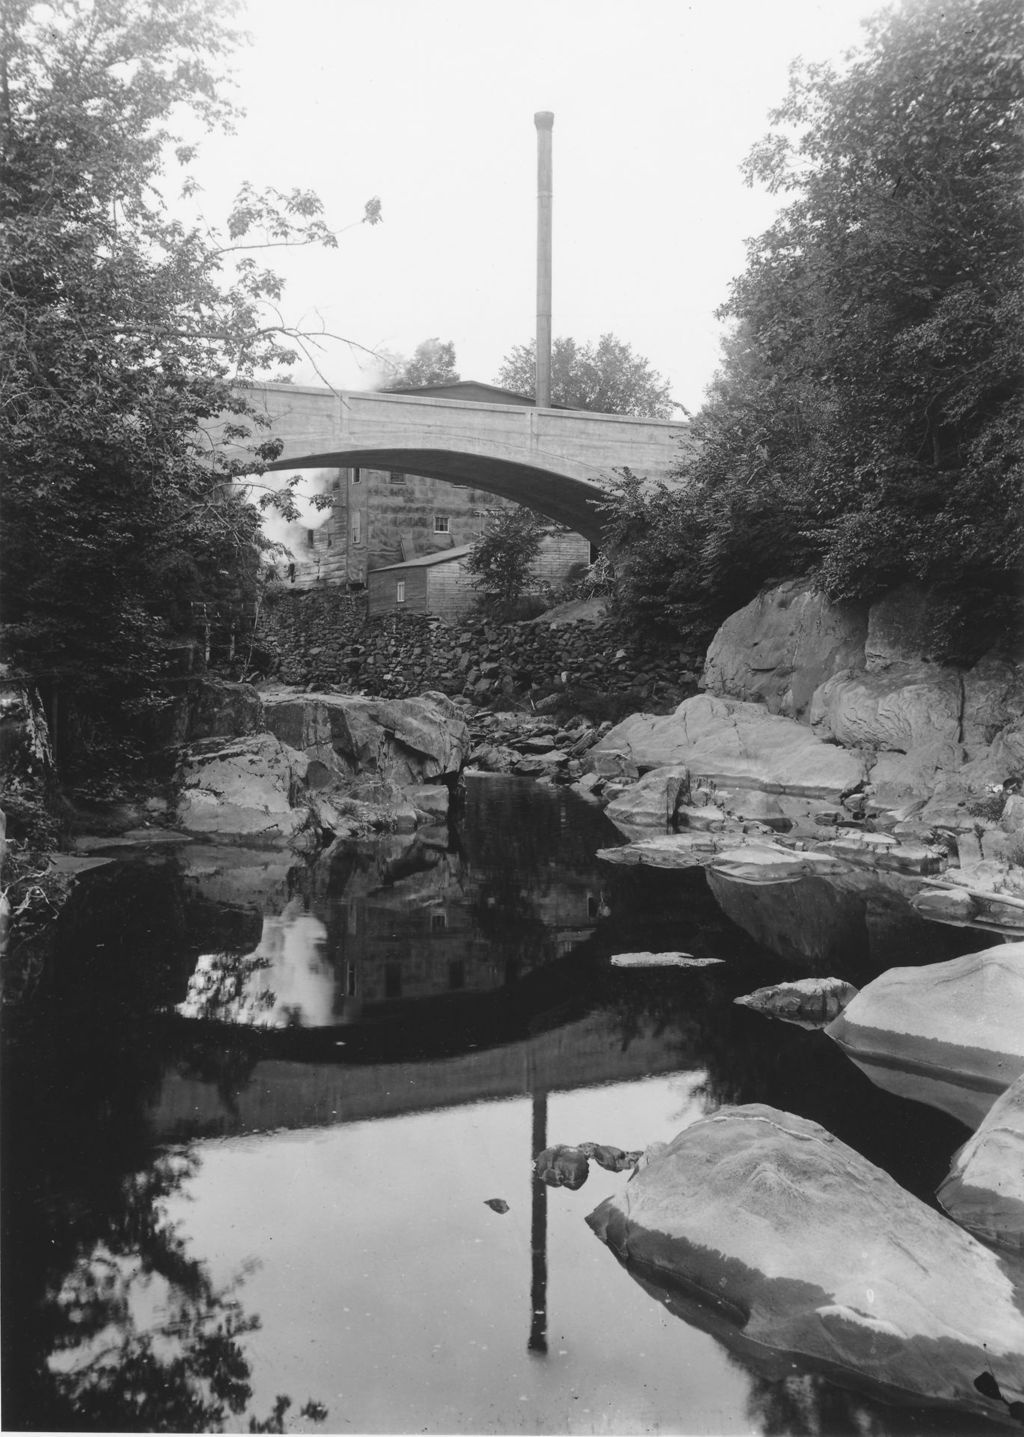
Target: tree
[863,429]
[432,363]
[868,401]
[607,377]
[502,558]
[125,333]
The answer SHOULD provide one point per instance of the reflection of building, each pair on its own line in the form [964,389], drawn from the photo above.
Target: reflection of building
[407,919]
[451,927]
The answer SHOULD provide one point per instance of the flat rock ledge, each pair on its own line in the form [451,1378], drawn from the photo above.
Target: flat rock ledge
[766,1230]
[893,795]
[734,744]
[662,960]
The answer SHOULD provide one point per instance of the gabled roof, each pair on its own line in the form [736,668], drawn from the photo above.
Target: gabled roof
[466,389]
[423,560]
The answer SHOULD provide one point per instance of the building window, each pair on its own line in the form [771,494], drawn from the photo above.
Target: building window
[311,538]
[441,524]
[357,477]
[357,526]
[400,592]
[395,477]
[438,922]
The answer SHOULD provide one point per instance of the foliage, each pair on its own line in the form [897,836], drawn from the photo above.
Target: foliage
[432,363]
[128,336]
[863,429]
[116,1367]
[653,546]
[502,558]
[607,377]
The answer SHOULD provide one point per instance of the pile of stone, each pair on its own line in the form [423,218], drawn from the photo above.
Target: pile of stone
[324,639]
[532,746]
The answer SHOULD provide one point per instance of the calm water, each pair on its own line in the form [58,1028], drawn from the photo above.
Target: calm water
[255,1116]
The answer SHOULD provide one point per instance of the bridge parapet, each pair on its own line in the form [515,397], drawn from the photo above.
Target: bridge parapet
[557,461]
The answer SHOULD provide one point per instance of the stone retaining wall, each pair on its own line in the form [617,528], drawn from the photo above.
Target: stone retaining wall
[324,637]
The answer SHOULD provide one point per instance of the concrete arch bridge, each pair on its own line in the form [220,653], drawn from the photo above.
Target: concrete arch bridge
[557,461]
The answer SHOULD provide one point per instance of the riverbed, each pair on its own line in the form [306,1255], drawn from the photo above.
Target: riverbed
[269,1131]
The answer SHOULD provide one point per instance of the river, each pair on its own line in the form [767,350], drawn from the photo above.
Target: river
[269,1130]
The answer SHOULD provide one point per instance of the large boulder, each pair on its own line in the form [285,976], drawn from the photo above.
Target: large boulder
[735,744]
[959,1024]
[402,741]
[765,1229]
[651,802]
[984,1190]
[782,646]
[910,707]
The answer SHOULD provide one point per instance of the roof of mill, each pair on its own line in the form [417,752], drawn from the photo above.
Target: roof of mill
[442,556]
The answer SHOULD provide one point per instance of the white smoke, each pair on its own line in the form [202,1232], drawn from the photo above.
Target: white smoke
[292,532]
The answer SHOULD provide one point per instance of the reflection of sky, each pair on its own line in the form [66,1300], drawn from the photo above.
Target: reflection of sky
[389,1291]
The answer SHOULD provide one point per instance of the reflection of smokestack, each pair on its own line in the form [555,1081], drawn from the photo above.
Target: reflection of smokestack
[538,1340]
[544,120]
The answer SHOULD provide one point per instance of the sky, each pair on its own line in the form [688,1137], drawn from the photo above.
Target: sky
[430,107]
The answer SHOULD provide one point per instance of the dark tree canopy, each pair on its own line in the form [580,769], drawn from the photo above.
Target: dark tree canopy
[606,377]
[125,333]
[433,362]
[865,426]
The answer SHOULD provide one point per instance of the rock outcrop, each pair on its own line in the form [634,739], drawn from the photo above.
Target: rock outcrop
[867,678]
[327,766]
[765,1229]
[211,708]
[984,1191]
[401,741]
[915,768]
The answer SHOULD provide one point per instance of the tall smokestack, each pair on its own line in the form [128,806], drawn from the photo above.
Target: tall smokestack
[544,120]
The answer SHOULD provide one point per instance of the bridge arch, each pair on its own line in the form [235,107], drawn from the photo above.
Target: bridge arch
[571,500]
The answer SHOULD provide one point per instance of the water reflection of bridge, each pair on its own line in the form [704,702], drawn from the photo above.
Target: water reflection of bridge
[278,1094]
